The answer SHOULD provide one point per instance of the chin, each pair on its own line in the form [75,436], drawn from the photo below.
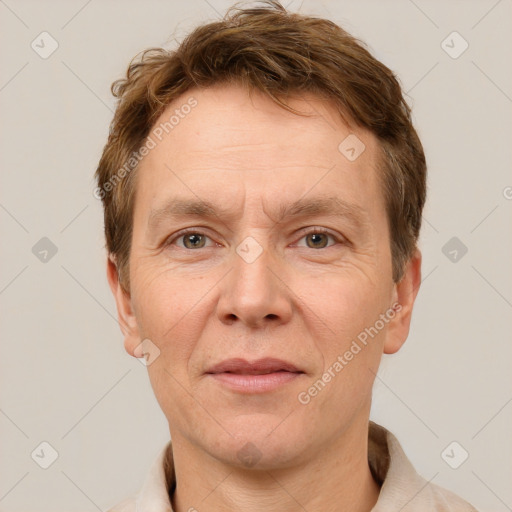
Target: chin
[260,442]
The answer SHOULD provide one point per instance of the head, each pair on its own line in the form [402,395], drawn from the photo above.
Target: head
[308,178]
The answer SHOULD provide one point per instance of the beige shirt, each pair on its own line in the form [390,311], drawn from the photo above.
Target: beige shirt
[402,489]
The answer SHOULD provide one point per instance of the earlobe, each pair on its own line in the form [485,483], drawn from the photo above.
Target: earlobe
[405,293]
[126,317]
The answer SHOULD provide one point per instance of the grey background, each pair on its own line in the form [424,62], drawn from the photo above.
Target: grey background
[64,375]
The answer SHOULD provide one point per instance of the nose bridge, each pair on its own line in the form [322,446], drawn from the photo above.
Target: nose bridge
[253,292]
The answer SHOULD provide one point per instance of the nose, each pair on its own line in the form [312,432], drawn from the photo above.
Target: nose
[255,292]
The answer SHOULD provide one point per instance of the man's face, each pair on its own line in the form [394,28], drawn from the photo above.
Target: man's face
[250,284]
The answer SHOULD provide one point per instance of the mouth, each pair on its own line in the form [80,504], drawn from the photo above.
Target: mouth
[257,372]
[259,376]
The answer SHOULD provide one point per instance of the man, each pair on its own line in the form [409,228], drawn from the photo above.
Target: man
[263,188]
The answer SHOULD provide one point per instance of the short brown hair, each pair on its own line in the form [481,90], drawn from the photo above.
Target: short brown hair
[278,53]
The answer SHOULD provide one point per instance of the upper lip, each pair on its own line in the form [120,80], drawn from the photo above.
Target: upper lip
[259,366]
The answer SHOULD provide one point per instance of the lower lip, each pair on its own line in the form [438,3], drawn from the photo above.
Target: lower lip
[255,383]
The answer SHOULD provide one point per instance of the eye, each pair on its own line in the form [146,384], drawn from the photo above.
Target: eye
[192,239]
[318,238]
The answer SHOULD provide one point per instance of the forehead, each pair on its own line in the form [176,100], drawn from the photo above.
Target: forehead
[228,118]
[230,136]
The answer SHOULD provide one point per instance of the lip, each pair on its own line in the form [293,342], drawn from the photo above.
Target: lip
[242,366]
[257,376]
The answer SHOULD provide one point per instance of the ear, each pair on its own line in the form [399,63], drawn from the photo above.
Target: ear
[125,314]
[404,296]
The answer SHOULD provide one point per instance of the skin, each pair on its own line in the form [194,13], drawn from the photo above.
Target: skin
[304,300]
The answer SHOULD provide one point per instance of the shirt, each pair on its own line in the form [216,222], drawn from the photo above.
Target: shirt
[402,488]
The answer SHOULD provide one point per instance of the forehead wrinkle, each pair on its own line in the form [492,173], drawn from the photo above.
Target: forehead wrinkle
[329,206]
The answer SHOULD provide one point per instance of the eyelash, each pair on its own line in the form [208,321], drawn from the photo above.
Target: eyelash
[315,230]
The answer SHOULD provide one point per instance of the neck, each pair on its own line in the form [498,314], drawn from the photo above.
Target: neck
[338,478]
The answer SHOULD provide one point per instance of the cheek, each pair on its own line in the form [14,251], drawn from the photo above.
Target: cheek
[343,304]
[168,314]
[350,350]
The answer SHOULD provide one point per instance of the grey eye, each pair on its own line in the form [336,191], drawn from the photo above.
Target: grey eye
[193,240]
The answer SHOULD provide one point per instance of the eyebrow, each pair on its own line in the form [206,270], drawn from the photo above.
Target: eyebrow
[329,206]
